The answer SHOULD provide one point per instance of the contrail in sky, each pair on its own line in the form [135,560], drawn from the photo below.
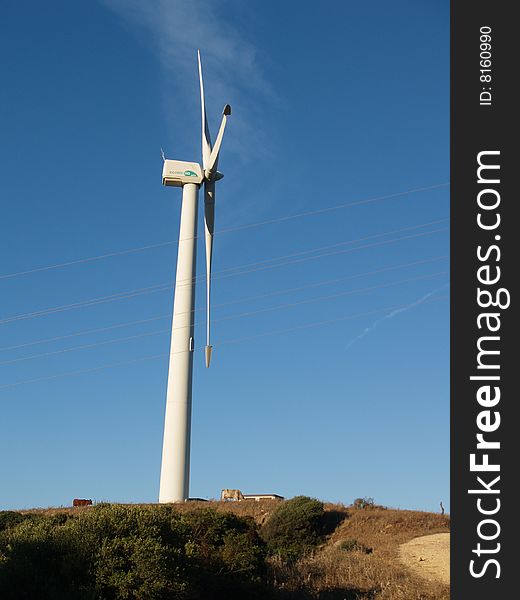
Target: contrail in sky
[392,314]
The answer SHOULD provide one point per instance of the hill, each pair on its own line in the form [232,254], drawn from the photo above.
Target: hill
[293,549]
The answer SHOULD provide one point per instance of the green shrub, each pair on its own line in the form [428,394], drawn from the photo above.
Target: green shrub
[39,562]
[10,518]
[295,528]
[132,552]
[138,567]
[227,554]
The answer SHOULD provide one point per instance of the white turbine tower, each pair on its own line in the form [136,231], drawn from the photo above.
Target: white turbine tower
[175,467]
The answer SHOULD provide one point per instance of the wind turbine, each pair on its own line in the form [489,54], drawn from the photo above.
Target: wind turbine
[175,466]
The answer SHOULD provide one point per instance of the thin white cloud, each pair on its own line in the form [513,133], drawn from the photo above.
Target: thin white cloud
[179,27]
[175,29]
[393,314]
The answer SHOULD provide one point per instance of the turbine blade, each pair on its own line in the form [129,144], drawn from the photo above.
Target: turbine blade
[206,138]
[209,224]
[213,158]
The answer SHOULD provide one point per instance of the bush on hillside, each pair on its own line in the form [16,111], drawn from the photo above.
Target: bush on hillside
[10,518]
[36,561]
[295,528]
[132,552]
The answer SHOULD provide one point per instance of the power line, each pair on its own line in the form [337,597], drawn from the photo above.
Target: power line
[81,371]
[230,317]
[87,303]
[230,302]
[331,296]
[222,231]
[320,323]
[336,253]
[221,274]
[84,346]
[329,246]
[331,281]
[319,211]
[84,332]
[124,296]
[224,343]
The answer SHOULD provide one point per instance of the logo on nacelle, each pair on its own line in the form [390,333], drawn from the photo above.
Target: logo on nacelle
[186,173]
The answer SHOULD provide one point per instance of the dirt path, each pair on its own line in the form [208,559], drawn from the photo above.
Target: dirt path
[428,556]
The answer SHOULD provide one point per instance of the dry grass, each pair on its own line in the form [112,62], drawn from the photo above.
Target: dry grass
[370,571]
[259,511]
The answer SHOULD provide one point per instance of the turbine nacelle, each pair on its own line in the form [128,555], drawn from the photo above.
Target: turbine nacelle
[177,173]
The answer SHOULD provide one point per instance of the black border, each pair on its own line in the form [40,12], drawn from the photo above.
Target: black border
[475,128]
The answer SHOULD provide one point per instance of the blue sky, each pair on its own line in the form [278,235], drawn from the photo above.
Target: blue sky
[337,385]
